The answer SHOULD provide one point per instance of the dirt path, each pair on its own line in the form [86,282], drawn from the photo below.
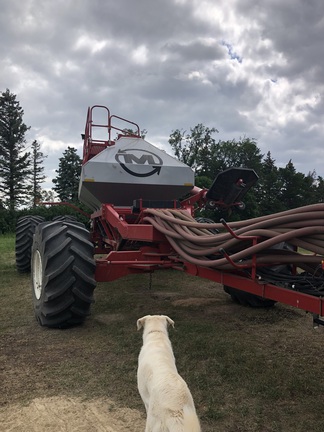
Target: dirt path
[63,414]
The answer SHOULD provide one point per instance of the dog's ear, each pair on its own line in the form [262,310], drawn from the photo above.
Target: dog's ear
[169,321]
[140,323]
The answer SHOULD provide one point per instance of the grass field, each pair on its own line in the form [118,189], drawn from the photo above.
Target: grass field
[248,369]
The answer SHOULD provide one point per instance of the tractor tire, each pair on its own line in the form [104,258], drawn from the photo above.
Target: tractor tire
[66,218]
[246,299]
[25,230]
[63,270]
[70,219]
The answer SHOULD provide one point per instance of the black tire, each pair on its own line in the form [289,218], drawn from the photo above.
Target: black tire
[66,218]
[247,299]
[71,219]
[62,274]
[25,229]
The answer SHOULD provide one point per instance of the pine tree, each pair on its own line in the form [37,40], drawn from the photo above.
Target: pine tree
[67,181]
[319,190]
[37,175]
[14,160]
[270,184]
[295,190]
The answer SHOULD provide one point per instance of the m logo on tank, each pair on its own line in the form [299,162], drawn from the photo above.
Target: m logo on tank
[131,159]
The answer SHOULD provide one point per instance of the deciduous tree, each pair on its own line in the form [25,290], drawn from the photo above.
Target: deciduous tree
[194,149]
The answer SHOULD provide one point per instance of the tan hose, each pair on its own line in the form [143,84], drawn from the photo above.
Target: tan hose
[194,242]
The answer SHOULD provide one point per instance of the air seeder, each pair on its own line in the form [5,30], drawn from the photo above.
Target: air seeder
[144,203]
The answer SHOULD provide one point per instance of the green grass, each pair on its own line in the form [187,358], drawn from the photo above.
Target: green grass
[249,370]
[7,253]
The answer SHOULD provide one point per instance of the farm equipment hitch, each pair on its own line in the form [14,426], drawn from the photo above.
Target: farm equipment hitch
[317,321]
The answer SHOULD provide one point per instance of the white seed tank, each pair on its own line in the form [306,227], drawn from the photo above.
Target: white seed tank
[132,169]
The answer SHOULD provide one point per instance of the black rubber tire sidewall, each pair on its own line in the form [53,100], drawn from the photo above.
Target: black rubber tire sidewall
[68,269]
[247,299]
[25,229]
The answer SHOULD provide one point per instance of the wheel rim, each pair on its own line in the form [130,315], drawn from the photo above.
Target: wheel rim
[37,274]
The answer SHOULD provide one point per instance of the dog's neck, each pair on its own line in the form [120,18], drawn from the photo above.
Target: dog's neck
[155,331]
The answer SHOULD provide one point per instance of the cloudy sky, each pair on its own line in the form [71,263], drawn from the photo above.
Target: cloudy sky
[247,67]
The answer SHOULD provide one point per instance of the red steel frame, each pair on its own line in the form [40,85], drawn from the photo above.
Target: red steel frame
[124,244]
[93,146]
[159,255]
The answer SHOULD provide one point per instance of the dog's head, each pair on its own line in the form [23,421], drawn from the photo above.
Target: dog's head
[154,323]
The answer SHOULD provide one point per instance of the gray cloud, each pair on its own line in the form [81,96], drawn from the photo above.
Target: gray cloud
[248,68]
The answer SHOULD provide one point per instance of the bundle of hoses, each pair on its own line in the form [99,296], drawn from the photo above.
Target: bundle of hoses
[293,237]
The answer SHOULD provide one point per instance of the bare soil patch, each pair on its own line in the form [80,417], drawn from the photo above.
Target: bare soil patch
[62,414]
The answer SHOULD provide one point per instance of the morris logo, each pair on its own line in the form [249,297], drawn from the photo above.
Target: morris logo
[139,157]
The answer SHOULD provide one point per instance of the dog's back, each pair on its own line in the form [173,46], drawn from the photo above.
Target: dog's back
[167,398]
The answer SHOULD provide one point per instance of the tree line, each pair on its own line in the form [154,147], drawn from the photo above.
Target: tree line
[22,170]
[278,188]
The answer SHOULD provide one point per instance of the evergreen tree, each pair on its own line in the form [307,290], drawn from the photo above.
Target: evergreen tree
[319,190]
[14,160]
[295,190]
[309,189]
[67,181]
[270,187]
[37,175]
